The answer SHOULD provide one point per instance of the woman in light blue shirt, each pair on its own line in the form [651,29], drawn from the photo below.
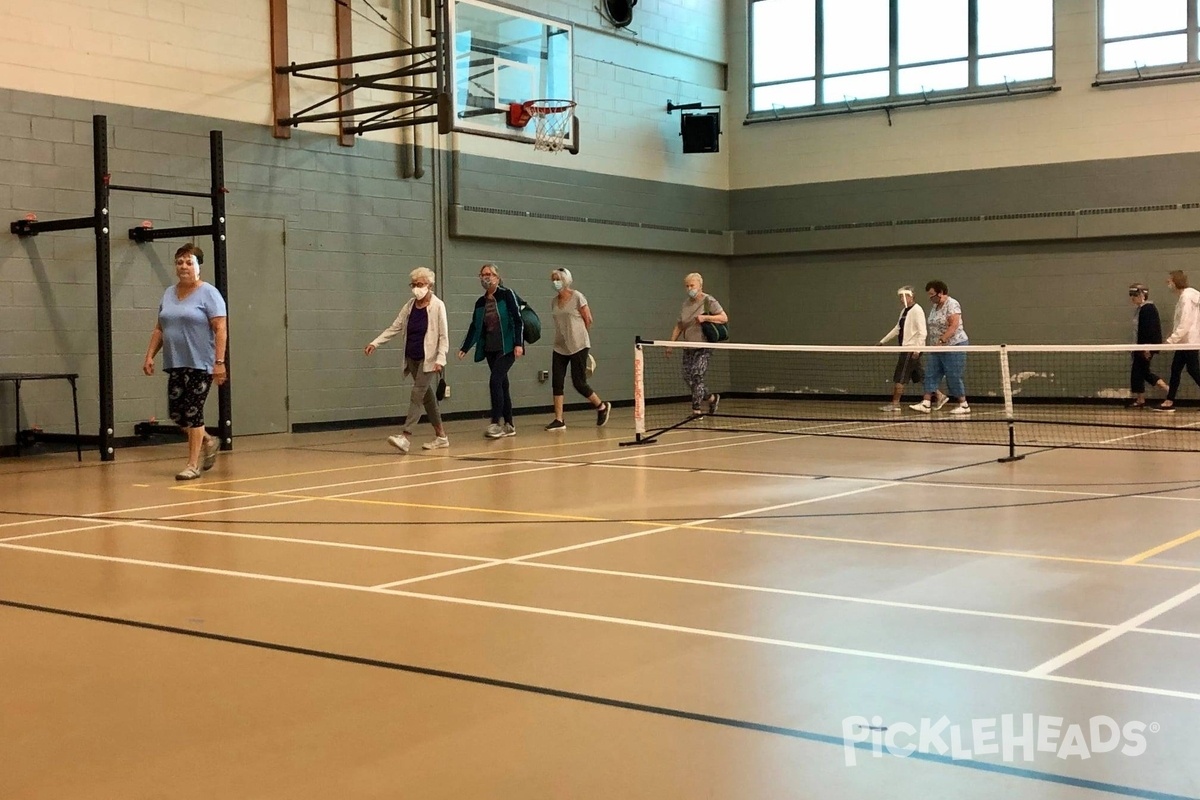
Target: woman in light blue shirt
[191,333]
[945,327]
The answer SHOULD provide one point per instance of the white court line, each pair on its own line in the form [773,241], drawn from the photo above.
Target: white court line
[624,537]
[840,598]
[1080,650]
[634,623]
[1147,433]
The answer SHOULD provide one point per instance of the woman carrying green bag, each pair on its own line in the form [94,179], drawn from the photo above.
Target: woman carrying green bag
[699,308]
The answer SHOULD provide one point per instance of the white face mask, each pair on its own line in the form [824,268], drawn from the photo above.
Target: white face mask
[419,292]
[557,285]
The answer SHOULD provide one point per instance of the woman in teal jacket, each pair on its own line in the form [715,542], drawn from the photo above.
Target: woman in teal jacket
[497,334]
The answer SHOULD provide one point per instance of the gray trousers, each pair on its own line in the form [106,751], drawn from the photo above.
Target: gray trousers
[422,396]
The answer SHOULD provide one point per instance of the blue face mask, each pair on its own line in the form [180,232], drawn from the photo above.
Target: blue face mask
[692,293]
[557,285]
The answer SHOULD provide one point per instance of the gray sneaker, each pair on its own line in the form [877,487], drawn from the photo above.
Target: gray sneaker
[508,430]
[438,443]
[493,431]
[942,399]
[212,446]
[189,473]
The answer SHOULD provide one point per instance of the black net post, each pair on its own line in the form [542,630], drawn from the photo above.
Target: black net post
[221,269]
[103,286]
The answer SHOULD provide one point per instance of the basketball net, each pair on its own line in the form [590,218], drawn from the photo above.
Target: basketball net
[552,122]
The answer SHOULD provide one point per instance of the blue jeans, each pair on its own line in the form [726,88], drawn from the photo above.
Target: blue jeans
[952,366]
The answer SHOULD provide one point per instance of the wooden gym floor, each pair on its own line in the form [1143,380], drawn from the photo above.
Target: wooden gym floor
[551,616]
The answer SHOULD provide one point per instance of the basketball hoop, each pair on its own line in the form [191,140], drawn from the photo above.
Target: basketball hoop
[553,120]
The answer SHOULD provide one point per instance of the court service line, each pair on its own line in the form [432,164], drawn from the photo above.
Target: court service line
[1162,548]
[1101,639]
[626,622]
[623,537]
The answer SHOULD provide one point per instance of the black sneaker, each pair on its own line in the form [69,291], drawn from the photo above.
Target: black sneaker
[557,425]
[712,404]
[602,414]
[1164,408]
[1135,404]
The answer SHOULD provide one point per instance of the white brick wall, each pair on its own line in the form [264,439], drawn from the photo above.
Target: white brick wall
[1078,123]
[212,57]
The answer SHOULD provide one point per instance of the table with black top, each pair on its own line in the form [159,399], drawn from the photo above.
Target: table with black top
[17,378]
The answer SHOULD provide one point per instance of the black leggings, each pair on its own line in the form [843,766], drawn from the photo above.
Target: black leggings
[500,364]
[1184,359]
[578,362]
[1140,375]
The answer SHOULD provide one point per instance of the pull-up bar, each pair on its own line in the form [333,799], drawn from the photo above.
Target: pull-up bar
[99,223]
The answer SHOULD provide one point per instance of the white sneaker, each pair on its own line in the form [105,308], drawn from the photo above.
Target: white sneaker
[942,399]
[399,442]
[889,408]
[437,444]
[508,430]
[922,406]
[493,431]
[962,408]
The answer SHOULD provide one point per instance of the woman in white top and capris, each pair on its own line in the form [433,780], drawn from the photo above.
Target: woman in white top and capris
[422,328]
[572,319]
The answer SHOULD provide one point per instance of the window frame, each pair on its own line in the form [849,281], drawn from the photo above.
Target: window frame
[894,99]
[1181,69]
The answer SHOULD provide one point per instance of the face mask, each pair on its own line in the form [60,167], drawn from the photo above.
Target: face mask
[419,292]
[692,293]
[557,285]
[195,265]
[485,281]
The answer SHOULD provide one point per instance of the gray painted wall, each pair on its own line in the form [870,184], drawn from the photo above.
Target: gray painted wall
[354,231]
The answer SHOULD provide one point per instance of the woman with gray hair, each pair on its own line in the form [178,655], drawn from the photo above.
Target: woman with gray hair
[572,320]
[421,325]
[697,309]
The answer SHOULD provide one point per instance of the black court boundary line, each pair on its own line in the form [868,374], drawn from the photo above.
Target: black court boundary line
[627,705]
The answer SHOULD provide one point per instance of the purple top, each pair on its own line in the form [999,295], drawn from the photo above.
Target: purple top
[418,323]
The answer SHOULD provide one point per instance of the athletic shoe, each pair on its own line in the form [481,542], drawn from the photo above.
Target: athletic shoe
[401,443]
[212,446]
[962,408]
[494,431]
[509,429]
[889,408]
[1164,409]
[712,404]
[942,399]
[189,473]
[438,443]
[557,425]
[922,406]
[602,414]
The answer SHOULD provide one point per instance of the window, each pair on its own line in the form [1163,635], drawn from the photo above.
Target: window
[1137,36]
[821,55]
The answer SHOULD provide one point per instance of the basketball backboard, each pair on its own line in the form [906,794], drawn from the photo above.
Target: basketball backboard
[503,56]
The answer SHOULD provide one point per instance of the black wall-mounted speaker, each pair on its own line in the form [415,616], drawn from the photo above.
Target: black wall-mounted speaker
[701,132]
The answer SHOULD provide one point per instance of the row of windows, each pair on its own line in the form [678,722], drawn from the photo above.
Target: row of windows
[812,55]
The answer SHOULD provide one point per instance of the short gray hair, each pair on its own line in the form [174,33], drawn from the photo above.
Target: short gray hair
[694,275]
[423,272]
[905,290]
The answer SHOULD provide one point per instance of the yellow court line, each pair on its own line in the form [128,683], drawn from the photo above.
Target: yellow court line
[1162,548]
[432,506]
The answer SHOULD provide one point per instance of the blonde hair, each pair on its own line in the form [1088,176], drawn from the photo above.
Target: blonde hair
[492,267]
[563,273]
[422,272]
[696,276]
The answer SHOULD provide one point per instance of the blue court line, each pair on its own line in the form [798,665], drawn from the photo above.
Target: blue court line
[728,722]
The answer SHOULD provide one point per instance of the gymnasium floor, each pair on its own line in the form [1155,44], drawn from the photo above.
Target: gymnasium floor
[551,616]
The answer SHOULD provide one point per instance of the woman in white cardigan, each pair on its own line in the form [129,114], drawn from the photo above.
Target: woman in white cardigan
[421,326]
[910,330]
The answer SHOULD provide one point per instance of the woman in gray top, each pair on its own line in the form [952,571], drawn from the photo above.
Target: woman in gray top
[697,309]
[572,319]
